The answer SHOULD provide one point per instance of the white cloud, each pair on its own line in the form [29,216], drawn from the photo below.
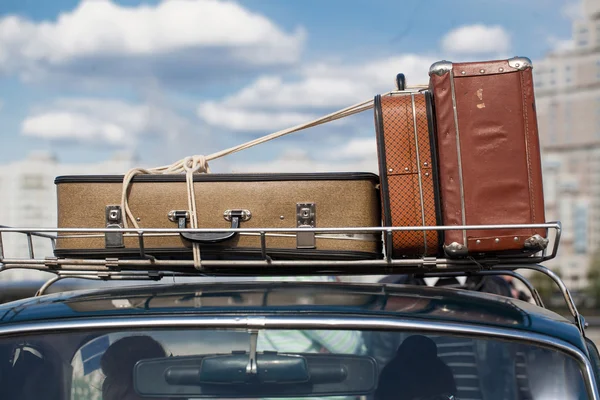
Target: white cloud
[298,160]
[361,148]
[96,121]
[561,45]
[100,36]
[477,39]
[573,10]
[273,102]
[239,119]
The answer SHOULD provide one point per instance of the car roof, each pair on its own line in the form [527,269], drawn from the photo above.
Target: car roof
[400,301]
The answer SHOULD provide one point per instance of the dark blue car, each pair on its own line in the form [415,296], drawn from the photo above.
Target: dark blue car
[290,340]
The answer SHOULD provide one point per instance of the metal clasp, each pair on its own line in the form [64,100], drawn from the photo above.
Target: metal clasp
[244,215]
[252,367]
[306,218]
[114,219]
[179,216]
[536,242]
[182,216]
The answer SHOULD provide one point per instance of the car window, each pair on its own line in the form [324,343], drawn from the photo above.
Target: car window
[312,364]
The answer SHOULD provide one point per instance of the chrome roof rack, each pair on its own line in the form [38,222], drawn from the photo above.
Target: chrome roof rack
[265,263]
[148,267]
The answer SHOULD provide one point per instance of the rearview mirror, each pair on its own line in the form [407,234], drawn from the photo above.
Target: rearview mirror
[229,375]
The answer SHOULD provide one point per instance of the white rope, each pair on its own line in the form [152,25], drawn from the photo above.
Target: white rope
[194,165]
[199,164]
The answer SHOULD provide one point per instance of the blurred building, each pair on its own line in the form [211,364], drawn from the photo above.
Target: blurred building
[29,200]
[567,88]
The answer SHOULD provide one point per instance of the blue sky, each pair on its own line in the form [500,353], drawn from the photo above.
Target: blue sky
[168,79]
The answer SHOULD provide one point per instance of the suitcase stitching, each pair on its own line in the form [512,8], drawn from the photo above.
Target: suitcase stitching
[398,119]
[429,196]
[529,171]
[418,157]
[458,151]
[382,154]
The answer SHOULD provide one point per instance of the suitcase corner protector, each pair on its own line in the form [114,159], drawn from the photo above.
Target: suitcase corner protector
[520,63]
[455,249]
[440,68]
[536,242]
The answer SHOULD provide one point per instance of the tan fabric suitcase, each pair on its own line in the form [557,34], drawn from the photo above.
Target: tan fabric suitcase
[408,170]
[328,200]
[489,155]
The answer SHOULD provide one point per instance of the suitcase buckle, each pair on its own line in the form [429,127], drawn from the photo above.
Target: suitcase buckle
[305,218]
[114,219]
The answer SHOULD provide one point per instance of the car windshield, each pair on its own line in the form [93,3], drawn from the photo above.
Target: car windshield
[318,364]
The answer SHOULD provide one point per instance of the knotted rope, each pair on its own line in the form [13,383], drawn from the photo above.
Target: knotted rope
[199,164]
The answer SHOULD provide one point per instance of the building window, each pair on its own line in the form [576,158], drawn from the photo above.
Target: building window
[32,182]
[580,228]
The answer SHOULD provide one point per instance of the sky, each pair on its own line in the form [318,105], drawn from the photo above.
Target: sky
[162,80]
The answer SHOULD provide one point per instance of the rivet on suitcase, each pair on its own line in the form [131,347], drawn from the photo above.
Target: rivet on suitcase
[489,155]
[408,170]
[328,200]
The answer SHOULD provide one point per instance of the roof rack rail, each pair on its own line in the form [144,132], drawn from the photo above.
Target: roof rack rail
[265,263]
[148,267]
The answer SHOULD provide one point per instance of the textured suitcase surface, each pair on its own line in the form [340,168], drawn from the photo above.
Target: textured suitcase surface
[339,199]
[489,155]
[408,170]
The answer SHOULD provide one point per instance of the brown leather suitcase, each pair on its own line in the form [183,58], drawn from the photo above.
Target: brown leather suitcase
[408,170]
[327,200]
[489,155]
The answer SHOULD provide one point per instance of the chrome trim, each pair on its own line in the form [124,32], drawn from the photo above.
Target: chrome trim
[494,272]
[563,289]
[58,265]
[414,113]
[460,173]
[520,63]
[33,231]
[42,290]
[440,68]
[329,323]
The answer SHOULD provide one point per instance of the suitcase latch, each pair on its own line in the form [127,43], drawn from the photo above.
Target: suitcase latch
[305,218]
[179,216]
[243,215]
[182,216]
[114,219]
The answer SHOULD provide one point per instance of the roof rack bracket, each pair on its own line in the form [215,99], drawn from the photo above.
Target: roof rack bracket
[429,262]
[51,262]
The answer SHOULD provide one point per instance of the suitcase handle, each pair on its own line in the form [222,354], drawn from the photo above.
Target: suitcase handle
[235,216]
[400,82]
[210,238]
